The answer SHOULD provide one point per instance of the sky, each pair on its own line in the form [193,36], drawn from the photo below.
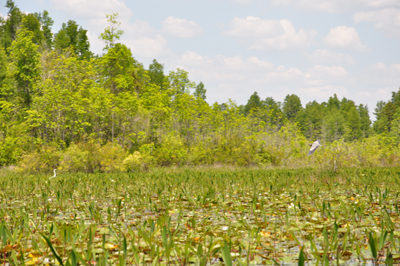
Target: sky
[311,48]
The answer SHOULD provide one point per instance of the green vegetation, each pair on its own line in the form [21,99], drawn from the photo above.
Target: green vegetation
[151,173]
[63,107]
[207,217]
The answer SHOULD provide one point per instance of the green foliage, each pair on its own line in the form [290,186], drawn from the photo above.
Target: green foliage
[9,27]
[3,66]
[291,107]
[253,103]
[140,160]
[10,151]
[334,125]
[364,120]
[111,33]
[73,38]
[74,160]
[156,75]
[40,161]
[90,157]
[46,23]
[311,120]
[180,82]
[172,151]
[200,92]
[31,23]
[111,158]
[26,66]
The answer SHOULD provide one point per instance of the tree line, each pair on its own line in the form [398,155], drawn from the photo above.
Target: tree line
[63,106]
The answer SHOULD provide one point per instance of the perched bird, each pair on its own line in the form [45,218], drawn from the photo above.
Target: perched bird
[54,174]
[314,147]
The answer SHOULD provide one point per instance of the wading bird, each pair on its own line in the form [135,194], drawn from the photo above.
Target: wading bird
[314,147]
[54,174]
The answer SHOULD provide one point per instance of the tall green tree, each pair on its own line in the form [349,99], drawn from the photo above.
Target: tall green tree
[111,33]
[32,24]
[274,111]
[26,65]
[73,37]
[365,120]
[396,98]
[333,102]
[253,103]
[311,120]
[179,82]
[200,92]
[291,107]
[384,115]
[3,66]
[353,123]
[9,27]
[157,76]
[46,23]
[334,125]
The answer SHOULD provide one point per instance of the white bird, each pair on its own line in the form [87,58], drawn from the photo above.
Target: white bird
[314,147]
[54,174]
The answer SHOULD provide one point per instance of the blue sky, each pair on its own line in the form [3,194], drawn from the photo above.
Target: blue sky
[311,48]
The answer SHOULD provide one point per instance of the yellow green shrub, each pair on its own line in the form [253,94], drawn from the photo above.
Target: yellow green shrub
[172,151]
[75,159]
[111,156]
[44,160]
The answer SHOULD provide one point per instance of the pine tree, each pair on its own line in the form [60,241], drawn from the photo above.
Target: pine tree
[291,107]
[253,103]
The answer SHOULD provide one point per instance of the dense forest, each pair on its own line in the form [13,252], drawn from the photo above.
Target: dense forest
[61,106]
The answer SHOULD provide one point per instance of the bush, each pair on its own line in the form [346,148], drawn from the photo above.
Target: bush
[171,152]
[90,157]
[10,151]
[75,160]
[139,160]
[48,158]
[111,157]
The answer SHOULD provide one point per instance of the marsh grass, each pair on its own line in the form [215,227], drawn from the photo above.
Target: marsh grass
[204,216]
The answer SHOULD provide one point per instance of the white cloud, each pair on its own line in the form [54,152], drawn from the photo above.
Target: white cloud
[139,28]
[92,9]
[382,67]
[346,38]
[269,35]
[336,6]
[181,28]
[330,57]
[237,77]
[387,20]
[243,2]
[5,17]
[143,40]
[148,47]
[324,92]
[322,75]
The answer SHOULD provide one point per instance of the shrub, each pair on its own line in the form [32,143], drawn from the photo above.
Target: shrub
[10,151]
[172,151]
[46,159]
[111,156]
[75,160]
[139,160]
